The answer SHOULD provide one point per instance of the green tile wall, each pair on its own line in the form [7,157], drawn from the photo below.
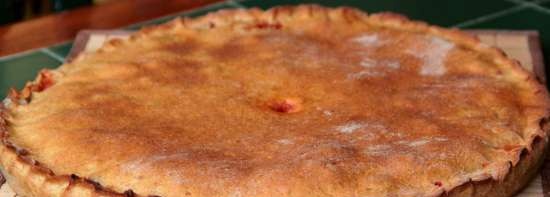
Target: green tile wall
[15,71]
[438,12]
[62,49]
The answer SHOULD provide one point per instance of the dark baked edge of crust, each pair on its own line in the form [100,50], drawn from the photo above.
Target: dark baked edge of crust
[28,177]
[516,179]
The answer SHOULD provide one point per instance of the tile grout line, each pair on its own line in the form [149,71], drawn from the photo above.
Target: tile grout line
[491,16]
[235,3]
[187,12]
[52,54]
[535,5]
[20,54]
[540,8]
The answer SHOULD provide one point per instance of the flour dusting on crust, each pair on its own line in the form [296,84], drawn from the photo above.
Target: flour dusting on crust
[372,66]
[327,113]
[349,127]
[433,55]
[369,40]
[141,164]
[379,149]
[392,64]
[367,63]
[285,141]
[415,143]
[6,102]
[363,73]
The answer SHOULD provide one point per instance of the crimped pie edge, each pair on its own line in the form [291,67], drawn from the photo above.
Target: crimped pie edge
[29,178]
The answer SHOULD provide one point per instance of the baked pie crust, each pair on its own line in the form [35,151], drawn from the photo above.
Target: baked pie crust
[292,101]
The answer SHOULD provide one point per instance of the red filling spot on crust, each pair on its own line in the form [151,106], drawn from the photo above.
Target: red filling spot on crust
[286,105]
[438,184]
[45,81]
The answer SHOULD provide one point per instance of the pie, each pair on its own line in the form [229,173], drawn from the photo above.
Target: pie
[294,101]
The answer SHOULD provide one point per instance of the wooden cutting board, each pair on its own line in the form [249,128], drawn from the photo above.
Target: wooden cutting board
[521,45]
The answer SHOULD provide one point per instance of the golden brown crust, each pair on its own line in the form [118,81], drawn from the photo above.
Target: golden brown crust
[30,178]
[516,179]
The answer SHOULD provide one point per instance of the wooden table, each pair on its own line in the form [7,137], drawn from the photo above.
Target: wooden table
[64,26]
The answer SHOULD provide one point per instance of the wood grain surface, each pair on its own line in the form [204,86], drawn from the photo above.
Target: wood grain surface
[64,26]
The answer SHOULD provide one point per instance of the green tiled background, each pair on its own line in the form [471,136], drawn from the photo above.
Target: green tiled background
[467,14]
